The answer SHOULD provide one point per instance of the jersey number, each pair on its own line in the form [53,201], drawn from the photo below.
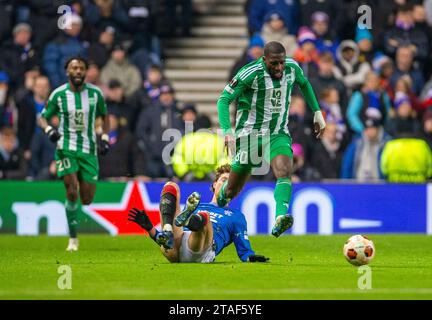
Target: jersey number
[79,120]
[241,157]
[63,164]
[276,100]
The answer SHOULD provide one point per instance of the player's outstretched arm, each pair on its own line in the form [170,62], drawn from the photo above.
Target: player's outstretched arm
[311,100]
[141,218]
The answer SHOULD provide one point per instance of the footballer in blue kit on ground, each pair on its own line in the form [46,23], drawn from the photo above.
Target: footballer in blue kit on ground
[202,230]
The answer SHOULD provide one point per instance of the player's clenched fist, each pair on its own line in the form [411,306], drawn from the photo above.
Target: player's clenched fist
[104,145]
[52,134]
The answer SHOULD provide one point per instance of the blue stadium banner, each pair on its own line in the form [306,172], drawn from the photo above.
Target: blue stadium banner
[339,208]
[32,208]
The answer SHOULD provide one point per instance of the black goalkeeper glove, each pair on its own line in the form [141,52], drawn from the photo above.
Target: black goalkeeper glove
[141,218]
[104,145]
[52,134]
[257,258]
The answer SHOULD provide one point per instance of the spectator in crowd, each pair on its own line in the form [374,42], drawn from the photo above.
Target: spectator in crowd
[366,103]
[299,126]
[420,20]
[307,54]
[329,7]
[6,17]
[141,17]
[325,38]
[42,162]
[153,82]
[329,102]
[400,166]
[120,162]
[426,99]
[182,21]
[62,48]
[349,69]
[103,13]
[384,67]
[12,163]
[119,68]
[364,42]
[259,8]
[6,102]
[44,20]
[99,52]
[406,33]
[147,94]
[361,159]
[93,76]
[190,116]
[29,109]
[327,153]
[427,127]
[275,30]
[152,123]
[197,155]
[115,100]
[404,85]
[404,66]
[404,122]
[19,55]
[325,78]
[254,51]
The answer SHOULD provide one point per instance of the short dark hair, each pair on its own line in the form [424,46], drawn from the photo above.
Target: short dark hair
[79,58]
[225,168]
[274,47]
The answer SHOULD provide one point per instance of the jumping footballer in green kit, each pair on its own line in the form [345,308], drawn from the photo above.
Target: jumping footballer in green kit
[77,105]
[263,89]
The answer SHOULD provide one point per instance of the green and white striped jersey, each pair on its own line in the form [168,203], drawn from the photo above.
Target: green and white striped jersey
[263,102]
[77,112]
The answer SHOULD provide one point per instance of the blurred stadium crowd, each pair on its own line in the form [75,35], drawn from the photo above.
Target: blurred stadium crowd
[374,85]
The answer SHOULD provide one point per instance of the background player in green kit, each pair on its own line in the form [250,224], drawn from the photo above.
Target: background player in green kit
[77,104]
[263,88]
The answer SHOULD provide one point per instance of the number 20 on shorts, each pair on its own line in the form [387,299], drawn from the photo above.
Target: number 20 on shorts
[63,164]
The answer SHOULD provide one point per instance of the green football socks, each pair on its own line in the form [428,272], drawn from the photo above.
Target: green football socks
[72,217]
[282,195]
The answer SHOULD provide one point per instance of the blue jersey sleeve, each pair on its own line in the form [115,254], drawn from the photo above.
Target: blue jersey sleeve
[241,240]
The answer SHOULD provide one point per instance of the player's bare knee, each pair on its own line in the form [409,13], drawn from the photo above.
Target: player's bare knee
[283,171]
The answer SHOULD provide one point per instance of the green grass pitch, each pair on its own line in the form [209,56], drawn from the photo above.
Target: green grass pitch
[301,267]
